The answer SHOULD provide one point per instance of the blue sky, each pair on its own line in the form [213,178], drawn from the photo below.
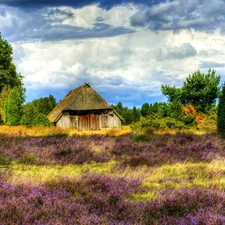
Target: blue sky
[125,49]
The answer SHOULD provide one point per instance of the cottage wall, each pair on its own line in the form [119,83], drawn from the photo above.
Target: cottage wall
[67,121]
[89,121]
[113,121]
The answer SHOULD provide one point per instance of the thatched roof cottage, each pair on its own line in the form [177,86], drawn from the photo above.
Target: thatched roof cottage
[84,109]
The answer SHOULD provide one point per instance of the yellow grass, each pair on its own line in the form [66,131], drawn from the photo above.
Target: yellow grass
[155,179]
[39,174]
[47,131]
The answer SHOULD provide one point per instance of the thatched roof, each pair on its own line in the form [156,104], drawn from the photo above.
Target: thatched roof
[80,99]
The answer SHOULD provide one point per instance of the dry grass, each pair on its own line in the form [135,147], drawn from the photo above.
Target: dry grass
[155,179]
[48,131]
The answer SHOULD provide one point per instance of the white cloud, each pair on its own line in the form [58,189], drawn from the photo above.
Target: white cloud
[130,68]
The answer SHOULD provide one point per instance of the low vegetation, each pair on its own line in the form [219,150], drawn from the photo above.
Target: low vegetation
[134,178]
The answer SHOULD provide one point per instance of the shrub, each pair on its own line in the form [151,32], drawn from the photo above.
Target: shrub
[221,114]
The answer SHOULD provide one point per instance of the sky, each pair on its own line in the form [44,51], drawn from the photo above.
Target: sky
[125,49]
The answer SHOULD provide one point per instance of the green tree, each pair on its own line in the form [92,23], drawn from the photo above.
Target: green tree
[176,109]
[9,78]
[44,105]
[135,114]
[3,96]
[145,109]
[199,90]
[221,113]
[14,107]
[41,119]
[172,93]
[29,113]
[8,75]
[35,112]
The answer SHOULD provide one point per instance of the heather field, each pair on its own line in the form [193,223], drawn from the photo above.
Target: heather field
[116,177]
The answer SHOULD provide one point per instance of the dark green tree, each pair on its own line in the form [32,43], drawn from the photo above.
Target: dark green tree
[221,113]
[135,114]
[9,78]
[172,93]
[119,108]
[29,113]
[199,90]
[14,107]
[127,115]
[41,120]
[35,112]
[145,109]
[44,105]
[8,75]
[175,110]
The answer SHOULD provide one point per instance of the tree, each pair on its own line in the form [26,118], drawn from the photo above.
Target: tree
[172,93]
[29,113]
[145,109]
[221,114]
[8,75]
[44,105]
[136,114]
[14,107]
[3,96]
[9,78]
[199,90]
[35,112]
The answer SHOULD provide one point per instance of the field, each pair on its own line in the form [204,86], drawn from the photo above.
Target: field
[111,177]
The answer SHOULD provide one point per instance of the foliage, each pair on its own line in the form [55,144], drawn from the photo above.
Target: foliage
[199,90]
[221,114]
[145,109]
[172,93]
[8,75]
[44,105]
[41,120]
[129,115]
[135,114]
[13,107]
[3,97]
[9,78]
[35,112]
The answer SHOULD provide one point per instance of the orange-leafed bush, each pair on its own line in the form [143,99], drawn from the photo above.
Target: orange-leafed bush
[189,109]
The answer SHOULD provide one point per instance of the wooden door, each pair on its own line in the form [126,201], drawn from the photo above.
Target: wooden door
[94,122]
[83,122]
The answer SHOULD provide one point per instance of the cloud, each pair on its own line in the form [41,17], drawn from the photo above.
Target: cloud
[181,52]
[57,24]
[106,4]
[212,65]
[178,15]
[59,48]
[66,32]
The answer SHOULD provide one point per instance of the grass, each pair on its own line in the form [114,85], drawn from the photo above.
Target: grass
[51,131]
[155,179]
[40,174]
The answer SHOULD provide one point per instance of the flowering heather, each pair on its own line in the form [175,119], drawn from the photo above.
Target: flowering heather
[127,149]
[95,199]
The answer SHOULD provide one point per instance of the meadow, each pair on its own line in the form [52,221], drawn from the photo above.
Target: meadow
[53,176]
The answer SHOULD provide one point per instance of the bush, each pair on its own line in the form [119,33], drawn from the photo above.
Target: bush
[41,120]
[221,114]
